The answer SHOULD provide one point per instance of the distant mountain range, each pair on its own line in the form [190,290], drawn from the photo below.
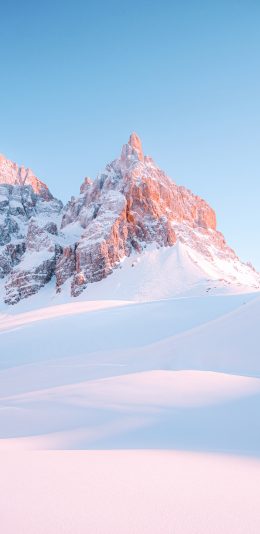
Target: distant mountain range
[132,215]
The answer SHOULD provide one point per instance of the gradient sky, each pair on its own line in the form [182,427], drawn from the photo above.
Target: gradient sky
[78,77]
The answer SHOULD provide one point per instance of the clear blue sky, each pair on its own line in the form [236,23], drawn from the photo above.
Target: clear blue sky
[78,77]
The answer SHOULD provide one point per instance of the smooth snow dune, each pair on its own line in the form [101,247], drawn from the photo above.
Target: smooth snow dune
[128,492]
[110,377]
[78,329]
[190,410]
[14,320]
[230,343]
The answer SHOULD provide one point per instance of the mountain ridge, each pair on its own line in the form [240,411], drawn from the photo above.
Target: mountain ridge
[131,206]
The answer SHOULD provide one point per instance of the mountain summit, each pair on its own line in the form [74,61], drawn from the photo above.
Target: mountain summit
[132,210]
[130,205]
[133,149]
[133,205]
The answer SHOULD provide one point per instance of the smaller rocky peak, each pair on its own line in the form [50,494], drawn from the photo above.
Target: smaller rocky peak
[133,150]
[86,185]
[14,175]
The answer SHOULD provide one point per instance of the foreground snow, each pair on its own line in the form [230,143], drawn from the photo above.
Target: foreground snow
[179,375]
[129,492]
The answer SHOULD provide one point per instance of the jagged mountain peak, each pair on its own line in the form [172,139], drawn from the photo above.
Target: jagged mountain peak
[130,207]
[133,204]
[133,150]
[17,175]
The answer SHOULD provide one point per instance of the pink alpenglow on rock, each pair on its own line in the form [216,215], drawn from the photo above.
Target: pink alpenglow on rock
[129,206]
[13,174]
[133,149]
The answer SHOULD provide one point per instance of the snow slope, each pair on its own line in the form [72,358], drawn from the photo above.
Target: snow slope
[79,368]
[162,395]
[156,274]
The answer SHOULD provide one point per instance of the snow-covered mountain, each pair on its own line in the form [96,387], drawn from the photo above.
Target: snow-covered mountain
[132,215]
[29,221]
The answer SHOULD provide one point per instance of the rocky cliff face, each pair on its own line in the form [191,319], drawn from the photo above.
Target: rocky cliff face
[131,205]
[28,217]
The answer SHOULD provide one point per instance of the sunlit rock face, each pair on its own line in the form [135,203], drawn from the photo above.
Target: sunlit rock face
[131,204]
[133,150]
